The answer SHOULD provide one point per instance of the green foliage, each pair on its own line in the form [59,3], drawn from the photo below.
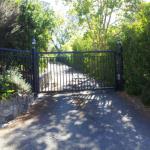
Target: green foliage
[35,21]
[8,22]
[21,21]
[12,82]
[96,17]
[81,44]
[136,43]
[5,88]
[16,79]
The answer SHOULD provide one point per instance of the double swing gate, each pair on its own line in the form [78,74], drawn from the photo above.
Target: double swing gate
[66,71]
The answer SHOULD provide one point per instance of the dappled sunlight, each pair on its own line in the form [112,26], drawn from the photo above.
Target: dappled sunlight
[82,121]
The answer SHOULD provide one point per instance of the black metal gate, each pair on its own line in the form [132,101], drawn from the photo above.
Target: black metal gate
[76,71]
[66,71]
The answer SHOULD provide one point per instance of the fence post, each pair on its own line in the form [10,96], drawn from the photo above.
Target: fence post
[119,67]
[35,68]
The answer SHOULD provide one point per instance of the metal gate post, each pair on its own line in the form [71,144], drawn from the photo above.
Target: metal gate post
[35,68]
[119,67]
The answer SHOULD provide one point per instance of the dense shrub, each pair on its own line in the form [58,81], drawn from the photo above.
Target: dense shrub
[136,44]
[12,82]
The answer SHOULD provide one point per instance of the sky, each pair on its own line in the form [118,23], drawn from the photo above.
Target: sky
[60,8]
[57,6]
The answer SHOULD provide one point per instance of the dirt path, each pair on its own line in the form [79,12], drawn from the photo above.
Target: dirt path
[79,121]
[60,77]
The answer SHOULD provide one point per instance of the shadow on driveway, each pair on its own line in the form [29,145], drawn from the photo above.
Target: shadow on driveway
[80,121]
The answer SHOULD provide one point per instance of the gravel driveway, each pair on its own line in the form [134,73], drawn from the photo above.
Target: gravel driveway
[81,121]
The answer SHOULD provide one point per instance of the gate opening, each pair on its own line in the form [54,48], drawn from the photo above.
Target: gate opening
[76,71]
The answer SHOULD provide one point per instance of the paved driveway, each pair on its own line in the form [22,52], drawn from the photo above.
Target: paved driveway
[80,121]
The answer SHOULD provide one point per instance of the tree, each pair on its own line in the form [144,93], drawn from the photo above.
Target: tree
[97,17]
[66,30]
[22,20]
[8,22]
[35,21]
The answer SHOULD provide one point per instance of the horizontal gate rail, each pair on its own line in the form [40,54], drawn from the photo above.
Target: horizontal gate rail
[14,50]
[78,52]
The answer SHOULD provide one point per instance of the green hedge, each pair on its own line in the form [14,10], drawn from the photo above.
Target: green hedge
[137,54]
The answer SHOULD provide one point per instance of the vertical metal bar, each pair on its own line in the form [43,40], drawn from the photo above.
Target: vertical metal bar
[39,73]
[35,64]
[43,81]
[63,72]
[98,70]
[119,63]
[83,84]
[110,70]
[47,80]
[112,61]
[57,71]
[102,70]
[60,74]
[49,69]
[113,69]
[95,67]
[69,72]
[55,87]
[53,78]
[84,70]
[93,64]
[43,73]
[121,68]
[50,73]
[80,71]
[72,71]
[78,86]
[47,75]
[88,65]
[91,81]
[66,73]
[92,70]
[87,71]
[84,73]
[116,64]
[106,69]
[33,69]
